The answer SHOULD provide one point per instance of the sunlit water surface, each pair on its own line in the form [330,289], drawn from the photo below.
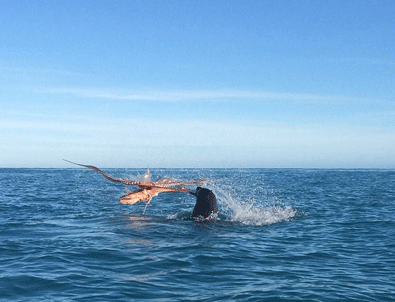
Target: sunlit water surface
[282,235]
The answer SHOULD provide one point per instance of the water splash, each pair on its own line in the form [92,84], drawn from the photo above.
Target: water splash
[252,212]
[145,177]
[244,210]
[263,216]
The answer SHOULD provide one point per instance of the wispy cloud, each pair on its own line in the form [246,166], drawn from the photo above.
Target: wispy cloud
[194,95]
[136,141]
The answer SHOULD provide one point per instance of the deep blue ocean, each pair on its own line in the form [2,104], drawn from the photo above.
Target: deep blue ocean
[282,235]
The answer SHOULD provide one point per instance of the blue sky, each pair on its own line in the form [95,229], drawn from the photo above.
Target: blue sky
[307,84]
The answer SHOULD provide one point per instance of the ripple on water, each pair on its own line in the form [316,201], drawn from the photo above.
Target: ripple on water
[282,235]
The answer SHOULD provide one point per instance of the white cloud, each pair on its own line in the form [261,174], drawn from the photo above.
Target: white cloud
[193,95]
[139,142]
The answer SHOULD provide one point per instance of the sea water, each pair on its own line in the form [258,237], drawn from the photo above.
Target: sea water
[282,235]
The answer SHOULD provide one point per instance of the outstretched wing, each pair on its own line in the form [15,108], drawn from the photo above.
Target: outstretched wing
[164,182]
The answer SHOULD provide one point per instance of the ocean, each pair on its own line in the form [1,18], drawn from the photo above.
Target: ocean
[282,235]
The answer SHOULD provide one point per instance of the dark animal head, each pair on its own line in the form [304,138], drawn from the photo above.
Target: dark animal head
[206,203]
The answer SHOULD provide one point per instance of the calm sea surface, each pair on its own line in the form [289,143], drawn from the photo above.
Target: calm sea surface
[283,235]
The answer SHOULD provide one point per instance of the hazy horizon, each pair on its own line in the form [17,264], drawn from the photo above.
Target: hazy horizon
[266,84]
